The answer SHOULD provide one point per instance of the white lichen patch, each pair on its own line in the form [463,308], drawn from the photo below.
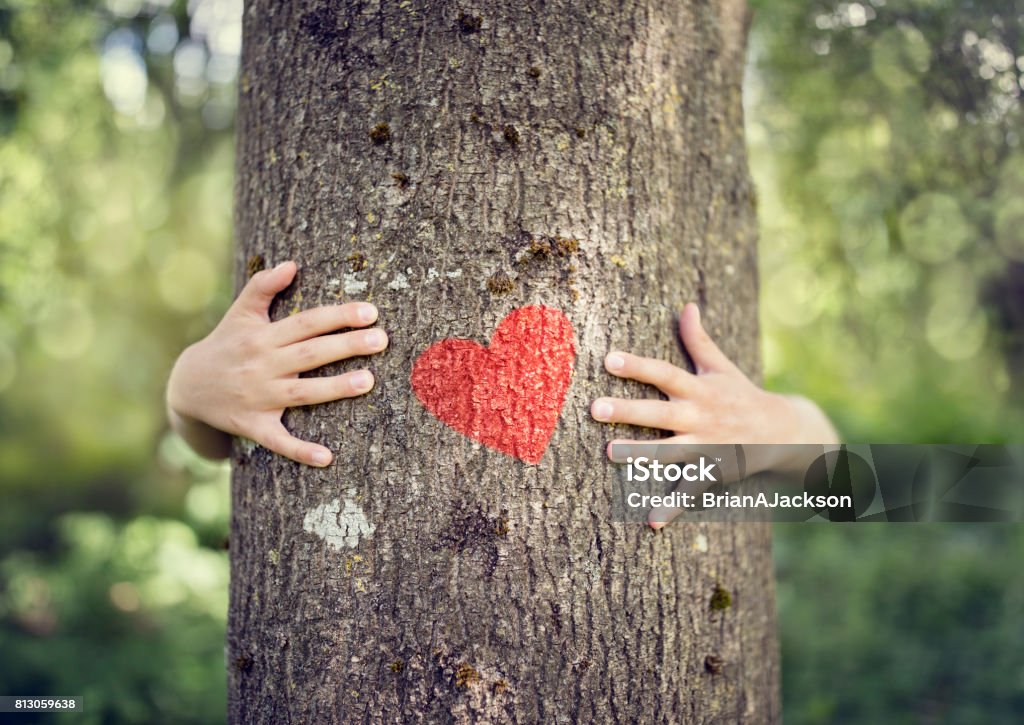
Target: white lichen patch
[700,543]
[353,285]
[399,282]
[432,274]
[453,275]
[341,524]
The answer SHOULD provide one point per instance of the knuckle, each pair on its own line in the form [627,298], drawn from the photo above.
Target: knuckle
[664,372]
[256,280]
[325,317]
[351,343]
[666,417]
[296,394]
[306,353]
[247,346]
[347,313]
[344,386]
[659,373]
[249,372]
[343,347]
[651,369]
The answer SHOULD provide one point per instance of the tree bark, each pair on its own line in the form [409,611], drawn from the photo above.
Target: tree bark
[452,162]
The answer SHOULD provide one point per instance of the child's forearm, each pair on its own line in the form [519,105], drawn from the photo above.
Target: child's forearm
[204,439]
[814,425]
[811,429]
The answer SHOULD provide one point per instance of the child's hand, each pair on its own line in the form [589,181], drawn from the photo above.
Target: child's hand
[717,405]
[241,377]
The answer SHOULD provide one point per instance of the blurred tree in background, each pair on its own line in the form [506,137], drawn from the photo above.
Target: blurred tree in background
[885,139]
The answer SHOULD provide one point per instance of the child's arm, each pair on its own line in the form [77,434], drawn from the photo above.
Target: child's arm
[239,379]
[717,405]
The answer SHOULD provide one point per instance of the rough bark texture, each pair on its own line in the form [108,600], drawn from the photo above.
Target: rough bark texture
[452,162]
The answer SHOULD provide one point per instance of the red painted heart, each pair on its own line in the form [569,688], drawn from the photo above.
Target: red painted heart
[509,395]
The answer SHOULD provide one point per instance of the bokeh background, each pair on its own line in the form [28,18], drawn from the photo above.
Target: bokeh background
[885,138]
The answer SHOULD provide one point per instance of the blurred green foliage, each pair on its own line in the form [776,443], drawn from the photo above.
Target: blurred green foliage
[901,623]
[885,142]
[115,225]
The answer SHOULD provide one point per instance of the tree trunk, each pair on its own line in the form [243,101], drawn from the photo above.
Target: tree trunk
[453,162]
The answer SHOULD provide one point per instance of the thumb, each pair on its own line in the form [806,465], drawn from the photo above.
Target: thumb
[259,292]
[702,349]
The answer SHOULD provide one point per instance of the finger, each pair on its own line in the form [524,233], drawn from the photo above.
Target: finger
[678,449]
[620,450]
[310,391]
[319,351]
[321,320]
[260,290]
[665,376]
[702,349]
[279,440]
[661,516]
[668,450]
[661,414]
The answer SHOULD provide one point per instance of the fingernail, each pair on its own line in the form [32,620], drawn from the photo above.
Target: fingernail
[375,339]
[279,267]
[362,380]
[321,458]
[602,410]
[614,362]
[366,313]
